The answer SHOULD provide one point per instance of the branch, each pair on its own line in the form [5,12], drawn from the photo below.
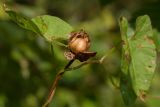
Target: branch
[67,68]
[100,61]
[53,88]
[82,64]
[107,54]
[55,82]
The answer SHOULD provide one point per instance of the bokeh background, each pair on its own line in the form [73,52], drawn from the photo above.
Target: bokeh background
[28,66]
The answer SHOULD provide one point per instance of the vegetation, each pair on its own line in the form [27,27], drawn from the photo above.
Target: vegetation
[32,54]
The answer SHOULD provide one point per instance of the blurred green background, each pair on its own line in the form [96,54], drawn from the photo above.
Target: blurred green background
[28,67]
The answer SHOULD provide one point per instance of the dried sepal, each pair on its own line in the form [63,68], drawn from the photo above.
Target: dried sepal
[85,56]
[69,55]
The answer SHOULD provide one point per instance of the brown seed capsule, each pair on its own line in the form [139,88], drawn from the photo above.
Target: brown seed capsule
[78,45]
[79,42]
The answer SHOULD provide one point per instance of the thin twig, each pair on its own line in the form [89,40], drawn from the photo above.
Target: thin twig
[107,54]
[53,88]
[68,65]
[55,82]
[82,64]
[67,68]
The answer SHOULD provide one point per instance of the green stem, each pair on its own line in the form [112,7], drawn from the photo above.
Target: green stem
[60,44]
[82,64]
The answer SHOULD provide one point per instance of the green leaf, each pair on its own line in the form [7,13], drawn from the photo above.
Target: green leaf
[23,21]
[143,26]
[156,38]
[143,55]
[138,56]
[50,27]
[127,92]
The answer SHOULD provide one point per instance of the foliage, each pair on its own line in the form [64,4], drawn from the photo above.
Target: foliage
[132,73]
[138,59]
[50,27]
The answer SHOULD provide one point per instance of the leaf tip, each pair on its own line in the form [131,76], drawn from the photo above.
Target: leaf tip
[123,21]
[122,18]
[143,17]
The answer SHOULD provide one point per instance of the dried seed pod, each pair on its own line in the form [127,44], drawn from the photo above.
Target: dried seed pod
[78,44]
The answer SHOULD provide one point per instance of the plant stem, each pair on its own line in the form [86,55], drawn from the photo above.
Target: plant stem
[93,61]
[68,65]
[55,82]
[82,64]
[67,68]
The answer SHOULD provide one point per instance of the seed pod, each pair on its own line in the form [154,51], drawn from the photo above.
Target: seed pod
[78,44]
